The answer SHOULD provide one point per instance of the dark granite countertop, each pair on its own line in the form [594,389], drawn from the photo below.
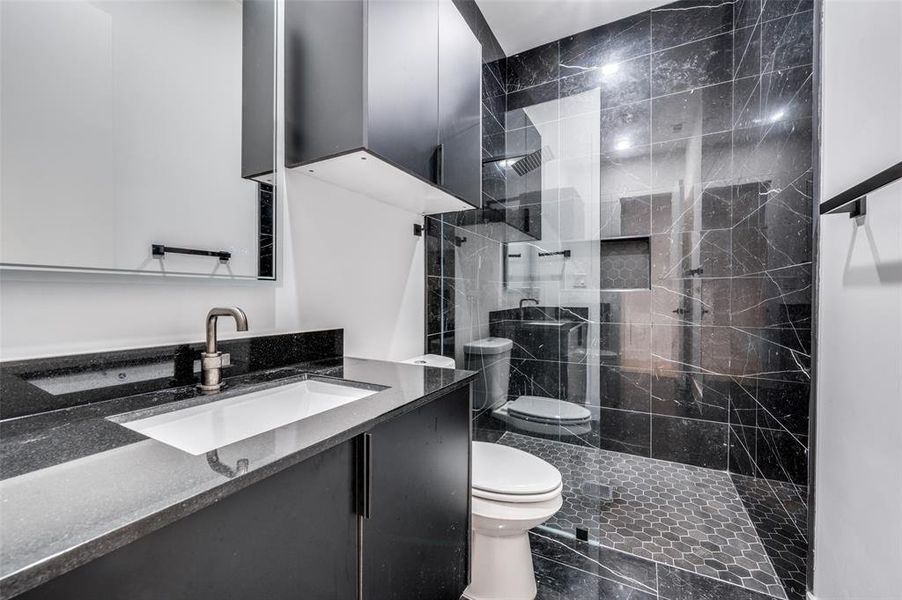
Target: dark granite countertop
[76,485]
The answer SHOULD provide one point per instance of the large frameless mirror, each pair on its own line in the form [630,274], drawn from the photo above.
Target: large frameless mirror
[138,136]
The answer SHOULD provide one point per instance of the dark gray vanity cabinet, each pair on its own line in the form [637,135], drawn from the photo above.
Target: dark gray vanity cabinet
[290,536]
[405,94]
[386,514]
[417,508]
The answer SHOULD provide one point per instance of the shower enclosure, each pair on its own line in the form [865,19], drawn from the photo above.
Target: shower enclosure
[648,183]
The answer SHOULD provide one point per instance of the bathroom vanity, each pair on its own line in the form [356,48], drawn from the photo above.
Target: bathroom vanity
[369,499]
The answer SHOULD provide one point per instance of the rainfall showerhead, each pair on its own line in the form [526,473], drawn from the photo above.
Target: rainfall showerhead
[523,163]
[532,161]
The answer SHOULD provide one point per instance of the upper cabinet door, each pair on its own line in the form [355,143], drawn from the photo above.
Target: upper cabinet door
[257,90]
[324,79]
[402,83]
[459,162]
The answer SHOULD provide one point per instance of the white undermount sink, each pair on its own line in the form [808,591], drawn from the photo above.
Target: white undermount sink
[199,429]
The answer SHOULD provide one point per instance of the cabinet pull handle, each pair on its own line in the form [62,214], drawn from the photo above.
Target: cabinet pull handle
[440,164]
[365,475]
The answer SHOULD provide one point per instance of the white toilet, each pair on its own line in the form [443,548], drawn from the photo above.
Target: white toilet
[533,414]
[513,491]
[490,356]
[538,414]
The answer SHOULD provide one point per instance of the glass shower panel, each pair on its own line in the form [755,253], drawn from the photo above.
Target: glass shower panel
[666,290]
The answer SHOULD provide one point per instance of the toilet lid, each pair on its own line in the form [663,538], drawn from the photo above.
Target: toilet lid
[505,470]
[548,410]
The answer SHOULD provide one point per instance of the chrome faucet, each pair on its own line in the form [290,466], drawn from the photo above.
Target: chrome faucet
[211,359]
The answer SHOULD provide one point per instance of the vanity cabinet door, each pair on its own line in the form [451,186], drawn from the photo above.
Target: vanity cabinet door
[415,534]
[291,536]
[460,106]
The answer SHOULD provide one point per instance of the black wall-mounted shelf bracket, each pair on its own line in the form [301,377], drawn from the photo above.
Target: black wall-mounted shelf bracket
[160,250]
[855,208]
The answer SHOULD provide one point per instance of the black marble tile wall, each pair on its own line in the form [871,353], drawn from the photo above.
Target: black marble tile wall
[696,120]
[266,261]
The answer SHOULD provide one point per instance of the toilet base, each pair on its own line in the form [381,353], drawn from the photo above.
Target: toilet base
[502,568]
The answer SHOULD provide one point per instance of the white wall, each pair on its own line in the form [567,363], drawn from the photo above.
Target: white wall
[858,518]
[352,262]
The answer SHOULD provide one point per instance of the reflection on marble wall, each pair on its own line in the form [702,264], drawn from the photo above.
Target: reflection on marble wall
[690,126]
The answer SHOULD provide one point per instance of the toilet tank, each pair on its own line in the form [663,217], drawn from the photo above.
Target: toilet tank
[492,358]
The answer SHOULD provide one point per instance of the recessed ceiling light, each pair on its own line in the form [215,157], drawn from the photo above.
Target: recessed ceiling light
[623,144]
[610,69]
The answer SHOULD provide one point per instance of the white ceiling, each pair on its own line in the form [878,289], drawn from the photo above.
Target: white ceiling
[523,24]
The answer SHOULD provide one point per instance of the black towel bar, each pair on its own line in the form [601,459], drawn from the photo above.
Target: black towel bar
[854,199]
[159,251]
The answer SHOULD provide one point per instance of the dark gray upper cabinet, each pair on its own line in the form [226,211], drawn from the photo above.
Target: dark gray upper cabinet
[459,104]
[324,89]
[402,78]
[258,60]
[382,97]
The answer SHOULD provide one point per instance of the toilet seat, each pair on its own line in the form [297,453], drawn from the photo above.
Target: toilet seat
[517,498]
[548,410]
[512,514]
[505,474]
